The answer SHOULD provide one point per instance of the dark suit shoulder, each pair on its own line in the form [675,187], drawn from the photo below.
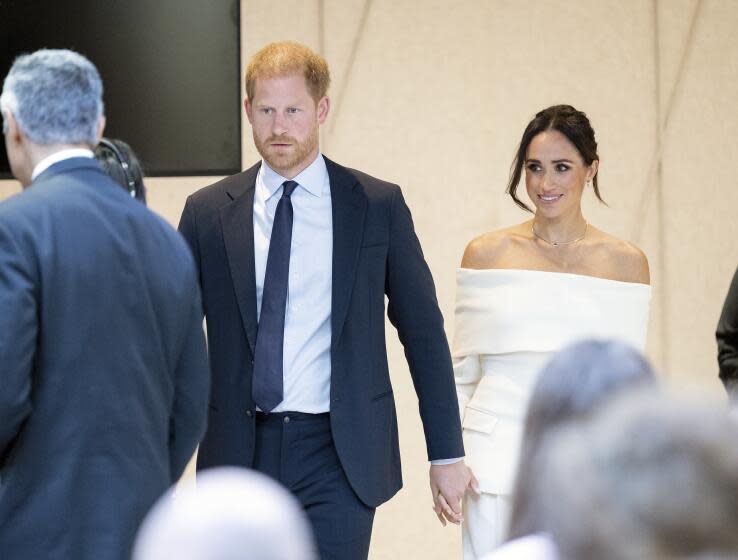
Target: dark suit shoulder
[375,189]
[74,203]
[373,182]
[48,195]
[223,191]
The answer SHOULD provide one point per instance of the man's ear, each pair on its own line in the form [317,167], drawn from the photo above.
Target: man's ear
[14,133]
[324,107]
[18,147]
[249,109]
[100,128]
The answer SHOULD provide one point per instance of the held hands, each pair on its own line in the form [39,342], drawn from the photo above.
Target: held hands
[448,485]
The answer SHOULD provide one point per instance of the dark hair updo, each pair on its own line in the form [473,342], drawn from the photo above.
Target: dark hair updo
[568,121]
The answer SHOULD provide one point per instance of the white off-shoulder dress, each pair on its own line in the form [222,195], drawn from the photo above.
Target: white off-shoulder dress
[508,323]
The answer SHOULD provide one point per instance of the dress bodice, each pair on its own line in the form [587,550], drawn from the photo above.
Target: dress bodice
[503,310]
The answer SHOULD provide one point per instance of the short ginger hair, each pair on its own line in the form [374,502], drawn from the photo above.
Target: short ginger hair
[288,57]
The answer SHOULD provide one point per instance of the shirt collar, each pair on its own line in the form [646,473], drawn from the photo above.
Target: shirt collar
[314,178]
[56,157]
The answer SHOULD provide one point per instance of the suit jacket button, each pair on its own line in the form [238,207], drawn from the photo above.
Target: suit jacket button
[249,413]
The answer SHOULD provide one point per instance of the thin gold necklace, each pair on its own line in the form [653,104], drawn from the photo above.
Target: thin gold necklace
[558,243]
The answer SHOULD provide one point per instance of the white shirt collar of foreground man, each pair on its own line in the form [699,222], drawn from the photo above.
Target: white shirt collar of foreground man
[314,179]
[56,157]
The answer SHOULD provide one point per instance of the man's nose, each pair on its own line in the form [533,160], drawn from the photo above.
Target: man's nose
[279,124]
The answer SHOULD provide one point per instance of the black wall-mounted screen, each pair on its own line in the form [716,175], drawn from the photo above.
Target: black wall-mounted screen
[170,70]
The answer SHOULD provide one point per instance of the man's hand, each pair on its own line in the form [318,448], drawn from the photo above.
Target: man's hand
[448,485]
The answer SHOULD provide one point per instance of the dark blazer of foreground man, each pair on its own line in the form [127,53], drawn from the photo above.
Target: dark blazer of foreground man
[374,251]
[103,369]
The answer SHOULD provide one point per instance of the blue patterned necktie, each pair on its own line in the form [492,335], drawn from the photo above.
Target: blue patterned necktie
[267,385]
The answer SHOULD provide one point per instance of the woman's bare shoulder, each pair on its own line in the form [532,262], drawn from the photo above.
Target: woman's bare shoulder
[484,251]
[630,261]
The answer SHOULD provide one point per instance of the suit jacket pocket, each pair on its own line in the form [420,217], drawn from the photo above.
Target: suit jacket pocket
[375,243]
[373,252]
[382,395]
[479,420]
[374,236]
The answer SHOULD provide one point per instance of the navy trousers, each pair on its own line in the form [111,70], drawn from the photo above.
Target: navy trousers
[297,450]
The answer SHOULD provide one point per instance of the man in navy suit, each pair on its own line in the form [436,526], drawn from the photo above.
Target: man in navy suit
[296,256]
[103,368]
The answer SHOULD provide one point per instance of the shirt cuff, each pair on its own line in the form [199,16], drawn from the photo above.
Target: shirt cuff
[446,461]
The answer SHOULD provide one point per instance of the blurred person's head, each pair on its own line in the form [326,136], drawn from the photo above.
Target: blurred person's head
[51,100]
[649,477]
[120,162]
[572,385]
[231,514]
[286,102]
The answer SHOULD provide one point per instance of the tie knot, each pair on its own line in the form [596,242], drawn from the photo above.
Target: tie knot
[289,187]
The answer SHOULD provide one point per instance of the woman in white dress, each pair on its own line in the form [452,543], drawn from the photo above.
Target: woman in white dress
[526,291]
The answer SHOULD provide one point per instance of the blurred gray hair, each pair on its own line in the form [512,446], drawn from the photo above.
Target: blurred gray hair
[55,97]
[232,514]
[574,384]
[650,477]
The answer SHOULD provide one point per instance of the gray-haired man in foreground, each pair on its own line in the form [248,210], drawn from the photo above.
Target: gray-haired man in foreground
[103,374]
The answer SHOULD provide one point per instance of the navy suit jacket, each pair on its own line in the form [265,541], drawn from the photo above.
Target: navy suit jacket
[375,253]
[103,368]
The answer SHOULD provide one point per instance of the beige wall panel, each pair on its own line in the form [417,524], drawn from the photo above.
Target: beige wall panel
[674,22]
[700,198]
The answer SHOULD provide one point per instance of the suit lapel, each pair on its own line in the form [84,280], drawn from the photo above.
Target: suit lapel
[349,209]
[237,222]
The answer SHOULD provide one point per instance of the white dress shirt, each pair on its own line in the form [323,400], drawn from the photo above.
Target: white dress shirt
[56,157]
[307,325]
